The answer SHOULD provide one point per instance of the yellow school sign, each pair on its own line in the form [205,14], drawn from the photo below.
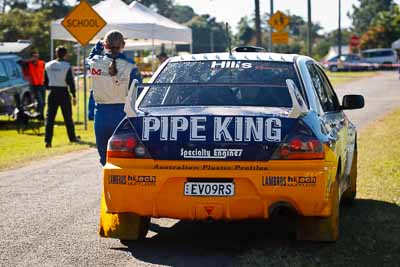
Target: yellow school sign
[279,21]
[83,23]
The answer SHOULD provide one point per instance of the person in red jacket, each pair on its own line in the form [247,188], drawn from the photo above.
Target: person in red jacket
[34,69]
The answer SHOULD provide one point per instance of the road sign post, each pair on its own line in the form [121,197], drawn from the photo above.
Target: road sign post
[85,113]
[83,23]
[271,30]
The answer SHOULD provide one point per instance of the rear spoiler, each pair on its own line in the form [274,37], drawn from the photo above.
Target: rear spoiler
[299,106]
[130,103]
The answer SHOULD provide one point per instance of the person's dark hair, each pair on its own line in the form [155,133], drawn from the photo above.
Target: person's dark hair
[34,52]
[115,41]
[162,54]
[61,51]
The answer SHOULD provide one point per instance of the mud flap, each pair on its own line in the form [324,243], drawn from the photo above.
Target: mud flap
[123,226]
[350,194]
[321,228]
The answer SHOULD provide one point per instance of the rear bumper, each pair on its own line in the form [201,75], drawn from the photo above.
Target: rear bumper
[156,188]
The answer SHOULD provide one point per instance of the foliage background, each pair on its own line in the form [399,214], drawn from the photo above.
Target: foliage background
[377,22]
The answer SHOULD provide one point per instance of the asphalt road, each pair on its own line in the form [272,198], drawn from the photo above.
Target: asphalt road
[49,211]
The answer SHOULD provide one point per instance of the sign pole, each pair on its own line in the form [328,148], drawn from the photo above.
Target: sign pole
[339,34]
[78,63]
[84,88]
[270,27]
[83,23]
[309,25]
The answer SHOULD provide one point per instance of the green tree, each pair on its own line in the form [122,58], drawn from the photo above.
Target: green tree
[384,31]
[245,32]
[201,26]
[366,11]
[20,24]
[182,14]
[163,7]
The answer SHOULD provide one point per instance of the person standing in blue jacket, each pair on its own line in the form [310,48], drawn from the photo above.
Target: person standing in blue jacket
[112,74]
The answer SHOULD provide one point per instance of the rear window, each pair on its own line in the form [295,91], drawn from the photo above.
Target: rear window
[222,83]
[3,72]
[383,53]
[12,69]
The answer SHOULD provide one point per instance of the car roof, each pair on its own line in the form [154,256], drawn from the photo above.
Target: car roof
[253,56]
[377,49]
[9,56]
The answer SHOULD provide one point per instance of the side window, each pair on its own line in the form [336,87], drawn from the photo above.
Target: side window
[322,87]
[317,83]
[3,73]
[333,103]
[11,69]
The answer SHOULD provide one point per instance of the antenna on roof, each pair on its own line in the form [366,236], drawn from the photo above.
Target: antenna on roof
[229,38]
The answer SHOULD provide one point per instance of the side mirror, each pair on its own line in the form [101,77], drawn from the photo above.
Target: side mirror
[352,102]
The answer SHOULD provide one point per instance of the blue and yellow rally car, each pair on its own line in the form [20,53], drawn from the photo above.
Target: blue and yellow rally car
[232,136]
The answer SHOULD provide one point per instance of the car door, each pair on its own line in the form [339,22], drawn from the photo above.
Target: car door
[18,84]
[333,117]
[355,62]
[6,103]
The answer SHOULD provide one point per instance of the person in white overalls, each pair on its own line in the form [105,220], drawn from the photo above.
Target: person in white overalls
[112,74]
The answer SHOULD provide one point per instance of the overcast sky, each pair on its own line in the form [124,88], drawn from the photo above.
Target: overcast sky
[323,11]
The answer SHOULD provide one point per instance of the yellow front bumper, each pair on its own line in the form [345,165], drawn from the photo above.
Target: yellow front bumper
[156,188]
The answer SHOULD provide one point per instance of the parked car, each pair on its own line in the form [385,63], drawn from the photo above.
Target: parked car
[232,136]
[385,57]
[13,87]
[349,62]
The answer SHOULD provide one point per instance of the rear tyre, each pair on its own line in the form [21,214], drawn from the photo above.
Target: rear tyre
[350,194]
[123,226]
[321,228]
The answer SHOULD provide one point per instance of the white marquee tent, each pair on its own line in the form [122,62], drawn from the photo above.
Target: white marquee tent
[141,25]
[396,45]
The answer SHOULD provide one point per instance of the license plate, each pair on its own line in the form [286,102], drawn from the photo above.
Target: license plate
[209,189]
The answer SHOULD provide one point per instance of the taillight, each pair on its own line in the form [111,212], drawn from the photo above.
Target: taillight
[301,148]
[125,146]
[302,145]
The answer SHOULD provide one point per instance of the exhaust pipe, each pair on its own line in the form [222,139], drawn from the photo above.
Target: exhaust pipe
[281,209]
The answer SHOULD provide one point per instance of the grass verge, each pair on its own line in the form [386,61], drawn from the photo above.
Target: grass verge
[369,229]
[348,76]
[18,149]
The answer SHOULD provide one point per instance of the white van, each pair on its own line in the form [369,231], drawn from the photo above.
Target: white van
[385,57]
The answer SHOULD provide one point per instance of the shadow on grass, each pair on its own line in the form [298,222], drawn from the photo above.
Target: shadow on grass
[88,143]
[33,128]
[369,232]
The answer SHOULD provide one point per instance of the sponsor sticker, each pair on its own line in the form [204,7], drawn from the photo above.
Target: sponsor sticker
[218,153]
[231,64]
[289,181]
[139,180]
[224,129]
[117,179]
[209,167]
